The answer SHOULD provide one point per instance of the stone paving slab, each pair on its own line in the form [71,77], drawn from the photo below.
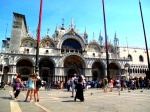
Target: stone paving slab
[60,101]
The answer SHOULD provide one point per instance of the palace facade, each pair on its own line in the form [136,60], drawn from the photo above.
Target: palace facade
[67,52]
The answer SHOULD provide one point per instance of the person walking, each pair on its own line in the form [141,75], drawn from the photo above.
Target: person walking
[79,86]
[14,86]
[105,85]
[111,85]
[18,85]
[31,87]
[73,84]
[118,85]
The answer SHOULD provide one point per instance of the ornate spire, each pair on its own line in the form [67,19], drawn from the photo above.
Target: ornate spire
[85,33]
[48,30]
[93,36]
[28,29]
[56,28]
[71,22]
[116,41]
[63,28]
[56,31]
[115,35]
[100,38]
[28,32]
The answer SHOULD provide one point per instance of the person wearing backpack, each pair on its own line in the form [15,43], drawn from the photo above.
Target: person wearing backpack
[38,85]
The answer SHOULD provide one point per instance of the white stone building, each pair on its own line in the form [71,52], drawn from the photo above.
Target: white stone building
[67,52]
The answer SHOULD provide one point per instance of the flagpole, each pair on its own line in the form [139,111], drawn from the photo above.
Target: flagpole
[145,40]
[106,44]
[38,38]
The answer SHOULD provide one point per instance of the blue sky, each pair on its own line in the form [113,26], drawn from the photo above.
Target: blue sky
[122,17]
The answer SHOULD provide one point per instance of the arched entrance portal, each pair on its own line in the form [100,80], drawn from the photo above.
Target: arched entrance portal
[114,70]
[46,70]
[25,68]
[73,64]
[97,71]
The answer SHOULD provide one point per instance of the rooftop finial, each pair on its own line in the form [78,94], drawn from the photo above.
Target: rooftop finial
[63,21]
[28,32]
[56,28]
[71,22]
[28,29]
[85,31]
[100,38]
[100,35]
[48,30]
[115,35]
[93,36]
[63,28]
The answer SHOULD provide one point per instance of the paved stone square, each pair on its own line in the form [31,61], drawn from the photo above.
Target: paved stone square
[61,101]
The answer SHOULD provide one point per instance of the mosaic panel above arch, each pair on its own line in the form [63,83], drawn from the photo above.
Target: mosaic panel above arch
[93,47]
[74,61]
[46,43]
[28,42]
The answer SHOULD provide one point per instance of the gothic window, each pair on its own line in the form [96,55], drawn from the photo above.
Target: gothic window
[130,57]
[138,70]
[135,70]
[141,58]
[46,52]
[27,51]
[130,71]
[94,54]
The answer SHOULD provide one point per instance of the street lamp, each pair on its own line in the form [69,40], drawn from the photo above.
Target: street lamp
[106,43]
[147,73]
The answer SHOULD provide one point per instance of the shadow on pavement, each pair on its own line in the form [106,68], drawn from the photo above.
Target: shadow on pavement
[7,98]
[69,101]
[64,97]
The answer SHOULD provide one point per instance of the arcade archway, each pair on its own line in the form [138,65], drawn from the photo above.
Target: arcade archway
[73,64]
[97,71]
[114,70]
[25,68]
[46,70]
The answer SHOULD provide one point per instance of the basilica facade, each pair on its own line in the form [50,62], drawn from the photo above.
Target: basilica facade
[67,52]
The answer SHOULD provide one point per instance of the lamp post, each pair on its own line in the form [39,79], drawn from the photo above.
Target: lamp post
[38,38]
[145,41]
[106,44]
